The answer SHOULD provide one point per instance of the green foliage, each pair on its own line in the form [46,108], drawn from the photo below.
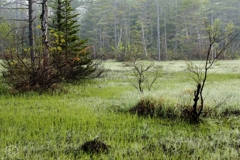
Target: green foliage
[17,70]
[70,53]
[7,40]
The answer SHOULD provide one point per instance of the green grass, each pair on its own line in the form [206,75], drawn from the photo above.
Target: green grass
[54,126]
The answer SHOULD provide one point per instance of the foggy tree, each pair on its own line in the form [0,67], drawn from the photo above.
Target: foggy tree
[115,23]
[165,34]
[188,18]
[158,31]
[143,18]
[176,28]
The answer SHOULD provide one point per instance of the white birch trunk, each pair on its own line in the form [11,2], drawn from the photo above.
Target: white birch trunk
[44,27]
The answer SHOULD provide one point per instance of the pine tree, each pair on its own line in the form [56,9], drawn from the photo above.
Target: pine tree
[70,53]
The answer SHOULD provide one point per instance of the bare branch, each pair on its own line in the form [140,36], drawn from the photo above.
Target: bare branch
[143,73]
[215,35]
[12,8]
[21,20]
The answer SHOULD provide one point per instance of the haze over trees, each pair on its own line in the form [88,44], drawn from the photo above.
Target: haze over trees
[160,29]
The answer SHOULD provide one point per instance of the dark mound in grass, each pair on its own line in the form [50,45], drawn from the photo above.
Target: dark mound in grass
[95,146]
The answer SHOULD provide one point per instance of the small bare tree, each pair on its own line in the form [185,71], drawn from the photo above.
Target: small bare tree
[145,74]
[215,35]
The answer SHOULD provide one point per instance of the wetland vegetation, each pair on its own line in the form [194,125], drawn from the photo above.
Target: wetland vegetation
[56,125]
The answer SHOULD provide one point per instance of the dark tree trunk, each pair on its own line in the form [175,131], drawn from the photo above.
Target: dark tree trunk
[195,116]
[30,35]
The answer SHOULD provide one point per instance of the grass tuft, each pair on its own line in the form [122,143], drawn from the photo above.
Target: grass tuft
[156,107]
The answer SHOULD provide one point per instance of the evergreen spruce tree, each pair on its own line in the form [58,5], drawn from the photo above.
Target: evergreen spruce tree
[70,53]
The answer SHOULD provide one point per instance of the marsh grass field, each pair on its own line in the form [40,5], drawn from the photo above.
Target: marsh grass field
[55,125]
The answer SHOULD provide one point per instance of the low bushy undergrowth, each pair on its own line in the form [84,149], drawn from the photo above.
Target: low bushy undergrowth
[21,76]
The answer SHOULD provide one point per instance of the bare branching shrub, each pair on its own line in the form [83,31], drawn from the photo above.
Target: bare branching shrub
[219,40]
[144,75]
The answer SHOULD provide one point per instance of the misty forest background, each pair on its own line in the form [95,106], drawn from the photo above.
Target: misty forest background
[44,44]
[119,29]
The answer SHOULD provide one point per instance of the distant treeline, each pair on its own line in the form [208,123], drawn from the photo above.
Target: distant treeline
[158,29]
[119,29]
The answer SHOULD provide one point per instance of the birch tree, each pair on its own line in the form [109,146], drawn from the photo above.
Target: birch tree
[30,30]
[44,28]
